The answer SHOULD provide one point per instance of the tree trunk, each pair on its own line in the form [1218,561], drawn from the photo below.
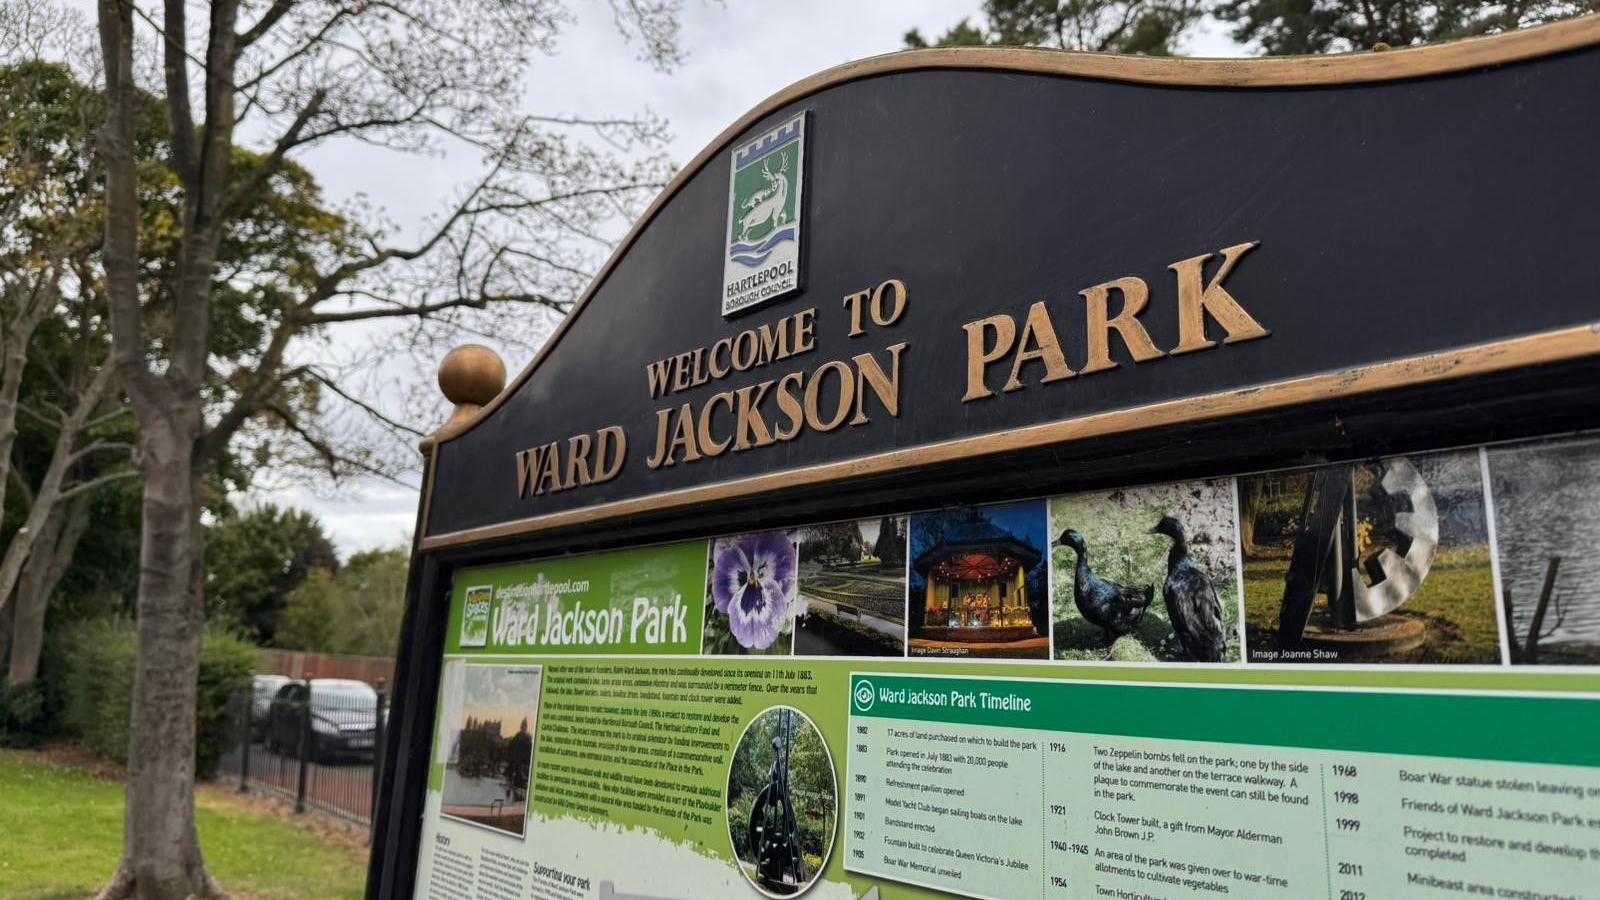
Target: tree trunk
[7,620]
[161,857]
[52,488]
[1249,505]
[48,562]
[17,330]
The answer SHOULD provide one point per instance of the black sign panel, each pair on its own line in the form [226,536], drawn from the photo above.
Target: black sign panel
[1330,232]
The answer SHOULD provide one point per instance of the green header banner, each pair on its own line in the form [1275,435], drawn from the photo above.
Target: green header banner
[1553,730]
[649,600]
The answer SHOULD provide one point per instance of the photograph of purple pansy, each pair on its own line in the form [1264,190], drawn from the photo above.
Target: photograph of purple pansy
[752,594]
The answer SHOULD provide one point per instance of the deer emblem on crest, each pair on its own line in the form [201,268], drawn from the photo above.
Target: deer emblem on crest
[770,203]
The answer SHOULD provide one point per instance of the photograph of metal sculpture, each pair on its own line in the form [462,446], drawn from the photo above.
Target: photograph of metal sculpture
[1545,500]
[978,582]
[486,743]
[1382,561]
[752,594]
[1146,574]
[782,802]
[852,588]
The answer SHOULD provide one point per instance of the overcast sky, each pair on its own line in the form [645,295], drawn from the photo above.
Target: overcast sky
[739,53]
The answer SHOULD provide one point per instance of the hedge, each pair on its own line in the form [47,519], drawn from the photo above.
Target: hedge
[97,688]
[24,717]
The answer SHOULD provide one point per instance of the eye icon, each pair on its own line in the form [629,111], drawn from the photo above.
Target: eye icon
[864,695]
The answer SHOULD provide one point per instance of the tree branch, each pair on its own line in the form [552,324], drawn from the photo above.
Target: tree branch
[21,484]
[108,418]
[256,32]
[180,115]
[235,200]
[84,487]
[332,457]
[121,246]
[364,406]
[97,446]
[420,310]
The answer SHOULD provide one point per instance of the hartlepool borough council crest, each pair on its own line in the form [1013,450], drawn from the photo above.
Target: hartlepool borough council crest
[763,246]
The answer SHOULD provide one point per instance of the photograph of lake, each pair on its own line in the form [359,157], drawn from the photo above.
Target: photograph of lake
[486,741]
[1546,499]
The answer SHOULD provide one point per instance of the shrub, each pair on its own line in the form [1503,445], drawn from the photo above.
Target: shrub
[23,716]
[97,688]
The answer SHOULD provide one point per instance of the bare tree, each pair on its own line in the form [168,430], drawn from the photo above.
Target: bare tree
[404,76]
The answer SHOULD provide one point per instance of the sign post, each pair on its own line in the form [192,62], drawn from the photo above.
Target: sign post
[1007,473]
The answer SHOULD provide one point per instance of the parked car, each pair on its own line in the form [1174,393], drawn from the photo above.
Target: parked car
[262,689]
[344,716]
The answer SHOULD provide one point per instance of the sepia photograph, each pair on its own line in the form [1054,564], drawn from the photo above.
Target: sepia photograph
[488,744]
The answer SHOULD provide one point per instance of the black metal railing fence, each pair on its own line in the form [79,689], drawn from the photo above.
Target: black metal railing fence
[316,742]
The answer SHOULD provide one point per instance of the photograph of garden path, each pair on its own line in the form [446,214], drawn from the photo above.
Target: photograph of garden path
[488,748]
[1124,568]
[1413,534]
[1545,499]
[852,588]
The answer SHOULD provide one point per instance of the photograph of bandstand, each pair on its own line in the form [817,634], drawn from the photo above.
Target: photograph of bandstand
[978,583]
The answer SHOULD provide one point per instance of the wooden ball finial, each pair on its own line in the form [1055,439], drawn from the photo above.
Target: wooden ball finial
[470,376]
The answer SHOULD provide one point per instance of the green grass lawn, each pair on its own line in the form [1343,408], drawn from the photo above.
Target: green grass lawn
[1456,602]
[62,832]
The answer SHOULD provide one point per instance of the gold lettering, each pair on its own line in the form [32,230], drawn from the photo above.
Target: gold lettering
[748,354]
[527,465]
[1197,299]
[979,357]
[1042,332]
[887,387]
[774,341]
[789,406]
[900,297]
[611,450]
[726,344]
[1135,293]
[683,437]
[658,374]
[847,389]
[750,421]
[577,460]
[550,472]
[700,376]
[853,301]
[659,458]
[680,371]
[708,446]
[805,323]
